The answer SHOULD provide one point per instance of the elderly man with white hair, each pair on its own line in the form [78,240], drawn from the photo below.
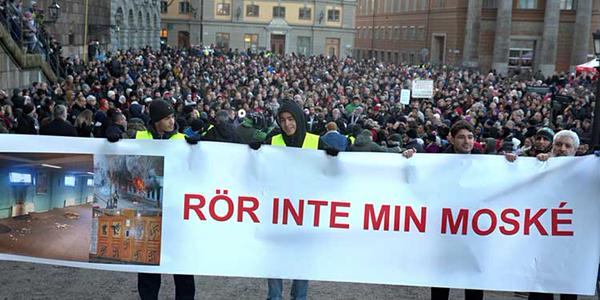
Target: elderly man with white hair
[565,143]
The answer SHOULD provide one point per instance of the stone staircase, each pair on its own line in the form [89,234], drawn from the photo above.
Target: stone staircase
[19,69]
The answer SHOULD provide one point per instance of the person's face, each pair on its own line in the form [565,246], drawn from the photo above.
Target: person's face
[122,121]
[463,141]
[287,123]
[563,146]
[166,124]
[541,142]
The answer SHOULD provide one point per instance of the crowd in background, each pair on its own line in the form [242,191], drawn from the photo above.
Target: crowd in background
[507,112]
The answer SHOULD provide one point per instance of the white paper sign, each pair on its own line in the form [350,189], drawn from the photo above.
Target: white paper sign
[422,88]
[460,221]
[405,96]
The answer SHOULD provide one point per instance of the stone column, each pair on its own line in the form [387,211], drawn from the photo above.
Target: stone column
[581,33]
[471,46]
[550,38]
[502,38]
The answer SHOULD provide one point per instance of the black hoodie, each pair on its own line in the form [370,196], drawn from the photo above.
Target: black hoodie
[297,139]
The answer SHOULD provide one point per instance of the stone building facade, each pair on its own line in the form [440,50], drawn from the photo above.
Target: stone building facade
[135,24]
[545,35]
[282,26]
[69,29]
[113,24]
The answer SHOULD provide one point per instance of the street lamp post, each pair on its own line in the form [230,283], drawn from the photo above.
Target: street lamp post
[596,128]
[53,12]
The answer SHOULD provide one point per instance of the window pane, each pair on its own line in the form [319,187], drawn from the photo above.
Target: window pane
[304,45]
[304,13]
[251,41]
[15,177]
[69,180]
[223,9]
[222,40]
[252,11]
[333,15]
[279,12]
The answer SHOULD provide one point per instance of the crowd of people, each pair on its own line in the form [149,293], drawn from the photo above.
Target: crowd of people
[238,94]
[313,102]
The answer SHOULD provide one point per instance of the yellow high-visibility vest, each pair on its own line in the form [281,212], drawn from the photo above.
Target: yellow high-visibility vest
[147,135]
[311,141]
[352,139]
[209,128]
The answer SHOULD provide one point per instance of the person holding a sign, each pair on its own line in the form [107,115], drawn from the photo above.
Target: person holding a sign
[162,126]
[565,143]
[292,123]
[462,141]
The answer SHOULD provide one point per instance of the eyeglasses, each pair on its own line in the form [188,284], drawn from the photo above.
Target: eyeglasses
[537,138]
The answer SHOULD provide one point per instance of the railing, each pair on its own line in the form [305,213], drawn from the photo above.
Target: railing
[31,38]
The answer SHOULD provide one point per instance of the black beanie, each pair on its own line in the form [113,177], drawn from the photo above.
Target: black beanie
[27,109]
[412,133]
[160,109]
[197,125]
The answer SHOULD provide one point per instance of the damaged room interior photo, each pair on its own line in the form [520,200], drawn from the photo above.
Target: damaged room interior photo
[46,204]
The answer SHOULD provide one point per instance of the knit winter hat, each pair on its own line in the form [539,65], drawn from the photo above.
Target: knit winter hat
[546,133]
[160,109]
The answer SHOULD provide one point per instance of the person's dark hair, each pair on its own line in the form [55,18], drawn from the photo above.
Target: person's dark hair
[222,117]
[116,116]
[460,125]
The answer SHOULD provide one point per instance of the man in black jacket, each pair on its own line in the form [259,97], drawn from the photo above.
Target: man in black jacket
[223,131]
[59,125]
[26,123]
[461,141]
[162,126]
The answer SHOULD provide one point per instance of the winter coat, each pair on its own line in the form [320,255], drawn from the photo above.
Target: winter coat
[26,125]
[222,133]
[364,143]
[335,140]
[58,127]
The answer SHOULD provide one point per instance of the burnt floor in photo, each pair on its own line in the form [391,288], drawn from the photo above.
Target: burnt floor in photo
[60,233]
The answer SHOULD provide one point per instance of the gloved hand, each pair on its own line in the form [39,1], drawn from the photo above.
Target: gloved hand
[113,138]
[597,152]
[255,145]
[192,140]
[332,152]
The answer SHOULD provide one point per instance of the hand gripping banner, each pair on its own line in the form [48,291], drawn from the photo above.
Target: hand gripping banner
[461,221]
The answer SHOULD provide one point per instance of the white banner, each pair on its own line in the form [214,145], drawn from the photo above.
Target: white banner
[461,221]
[422,88]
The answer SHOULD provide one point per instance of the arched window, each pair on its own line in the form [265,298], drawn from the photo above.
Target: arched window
[130,21]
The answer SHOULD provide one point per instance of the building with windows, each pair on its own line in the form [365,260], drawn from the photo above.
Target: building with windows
[304,27]
[504,35]
[181,22]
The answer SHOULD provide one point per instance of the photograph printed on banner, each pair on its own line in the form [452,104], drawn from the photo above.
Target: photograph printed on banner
[127,215]
[46,205]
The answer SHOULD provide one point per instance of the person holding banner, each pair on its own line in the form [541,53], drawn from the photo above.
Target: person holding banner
[162,126]
[564,143]
[462,141]
[292,123]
